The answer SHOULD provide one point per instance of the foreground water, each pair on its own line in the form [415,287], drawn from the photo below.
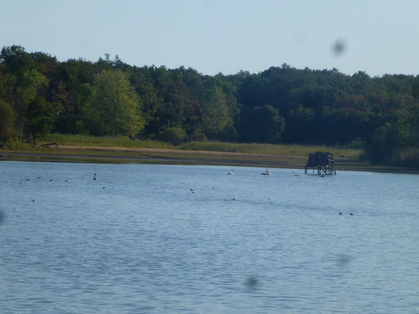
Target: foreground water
[139,240]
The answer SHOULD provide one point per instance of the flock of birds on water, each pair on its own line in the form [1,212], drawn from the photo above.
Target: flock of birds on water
[94,178]
[267,172]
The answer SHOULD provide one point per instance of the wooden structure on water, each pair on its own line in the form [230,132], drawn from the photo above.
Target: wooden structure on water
[322,163]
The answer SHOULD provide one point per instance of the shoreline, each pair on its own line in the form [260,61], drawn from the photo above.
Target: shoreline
[120,155]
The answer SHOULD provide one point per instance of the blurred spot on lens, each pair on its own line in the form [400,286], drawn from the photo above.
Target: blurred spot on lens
[2,217]
[343,260]
[252,282]
[339,47]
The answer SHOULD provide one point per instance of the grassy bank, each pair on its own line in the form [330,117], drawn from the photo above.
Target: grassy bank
[77,148]
[269,149]
[107,141]
[123,150]
[262,149]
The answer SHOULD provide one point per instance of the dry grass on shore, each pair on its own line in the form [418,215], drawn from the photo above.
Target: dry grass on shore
[114,143]
[254,155]
[123,150]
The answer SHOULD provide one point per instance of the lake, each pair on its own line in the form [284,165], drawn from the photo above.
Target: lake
[193,239]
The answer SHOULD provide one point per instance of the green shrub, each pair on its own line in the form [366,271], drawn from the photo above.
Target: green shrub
[174,136]
[196,137]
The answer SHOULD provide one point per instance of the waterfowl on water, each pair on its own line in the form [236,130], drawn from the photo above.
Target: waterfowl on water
[266,173]
[94,176]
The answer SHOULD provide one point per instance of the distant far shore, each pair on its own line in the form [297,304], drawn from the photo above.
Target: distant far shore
[118,155]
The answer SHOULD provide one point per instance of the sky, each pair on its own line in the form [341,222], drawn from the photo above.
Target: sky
[222,36]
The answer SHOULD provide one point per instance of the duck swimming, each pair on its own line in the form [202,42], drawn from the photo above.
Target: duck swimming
[266,173]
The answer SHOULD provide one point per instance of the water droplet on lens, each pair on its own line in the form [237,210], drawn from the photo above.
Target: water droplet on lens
[252,282]
[339,47]
[343,260]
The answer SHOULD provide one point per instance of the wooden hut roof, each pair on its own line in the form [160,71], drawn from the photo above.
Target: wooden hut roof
[320,159]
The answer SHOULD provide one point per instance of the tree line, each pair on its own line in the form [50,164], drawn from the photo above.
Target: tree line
[40,95]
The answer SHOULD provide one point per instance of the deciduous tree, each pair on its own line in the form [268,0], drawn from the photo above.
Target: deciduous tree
[7,120]
[263,125]
[113,108]
[39,115]
[215,114]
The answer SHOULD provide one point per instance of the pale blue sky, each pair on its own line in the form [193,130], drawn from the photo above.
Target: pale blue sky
[212,36]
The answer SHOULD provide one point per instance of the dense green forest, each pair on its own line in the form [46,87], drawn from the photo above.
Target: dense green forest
[40,95]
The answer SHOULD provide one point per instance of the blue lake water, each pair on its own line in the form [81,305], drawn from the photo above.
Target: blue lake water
[138,240]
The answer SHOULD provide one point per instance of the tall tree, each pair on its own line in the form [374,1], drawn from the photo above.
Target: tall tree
[39,115]
[7,120]
[300,127]
[16,59]
[24,83]
[113,107]
[215,114]
[76,78]
[263,125]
